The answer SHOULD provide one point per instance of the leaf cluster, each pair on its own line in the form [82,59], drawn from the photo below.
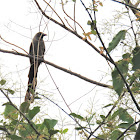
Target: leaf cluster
[16,126]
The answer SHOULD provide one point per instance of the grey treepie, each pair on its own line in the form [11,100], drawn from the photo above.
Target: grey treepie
[37,49]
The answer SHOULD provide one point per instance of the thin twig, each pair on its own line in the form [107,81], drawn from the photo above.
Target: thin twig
[132,27]
[54,12]
[70,17]
[68,23]
[13,44]
[58,89]
[74,15]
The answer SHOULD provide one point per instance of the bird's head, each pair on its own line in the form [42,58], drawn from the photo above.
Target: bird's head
[40,35]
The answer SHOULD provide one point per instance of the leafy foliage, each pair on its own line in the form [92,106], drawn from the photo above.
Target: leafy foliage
[19,129]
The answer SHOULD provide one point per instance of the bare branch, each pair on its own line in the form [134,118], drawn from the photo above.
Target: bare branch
[60,68]
[70,17]
[54,11]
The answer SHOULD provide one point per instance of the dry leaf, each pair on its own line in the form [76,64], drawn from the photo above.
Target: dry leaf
[101,50]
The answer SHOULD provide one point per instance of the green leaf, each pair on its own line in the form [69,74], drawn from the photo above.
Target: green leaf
[107,105]
[52,132]
[40,127]
[26,130]
[89,22]
[93,32]
[2,82]
[10,112]
[10,91]
[115,114]
[118,82]
[124,116]
[15,137]
[50,123]
[74,0]
[136,58]
[115,41]
[91,117]
[36,97]
[24,107]
[8,103]
[80,128]
[103,117]
[93,26]
[98,121]
[63,131]
[77,116]
[126,125]
[126,56]
[33,112]
[115,134]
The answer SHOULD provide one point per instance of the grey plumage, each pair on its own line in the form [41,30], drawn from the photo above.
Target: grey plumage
[37,49]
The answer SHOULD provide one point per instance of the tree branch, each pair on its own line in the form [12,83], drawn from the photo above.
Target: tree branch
[60,68]
[71,31]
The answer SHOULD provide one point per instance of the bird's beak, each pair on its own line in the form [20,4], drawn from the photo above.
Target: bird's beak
[44,34]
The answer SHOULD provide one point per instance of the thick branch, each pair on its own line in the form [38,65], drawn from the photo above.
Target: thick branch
[60,68]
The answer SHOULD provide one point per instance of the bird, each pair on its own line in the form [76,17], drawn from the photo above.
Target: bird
[37,50]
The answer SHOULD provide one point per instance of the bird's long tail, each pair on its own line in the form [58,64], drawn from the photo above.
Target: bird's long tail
[32,82]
